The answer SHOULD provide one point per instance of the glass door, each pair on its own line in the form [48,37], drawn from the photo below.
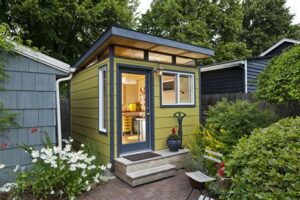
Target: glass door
[135,112]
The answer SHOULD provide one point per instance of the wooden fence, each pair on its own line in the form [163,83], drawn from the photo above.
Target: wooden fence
[284,110]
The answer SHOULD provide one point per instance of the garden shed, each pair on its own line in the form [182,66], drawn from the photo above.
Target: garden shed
[29,90]
[239,76]
[127,87]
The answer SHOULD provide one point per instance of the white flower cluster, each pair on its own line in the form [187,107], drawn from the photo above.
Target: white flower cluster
[78,165]
[7,187]
[72,160]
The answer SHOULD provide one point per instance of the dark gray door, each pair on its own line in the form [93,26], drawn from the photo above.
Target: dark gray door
[134,109]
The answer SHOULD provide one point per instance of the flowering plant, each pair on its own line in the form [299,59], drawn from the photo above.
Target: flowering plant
[220,169]
[59,174]
[173,135]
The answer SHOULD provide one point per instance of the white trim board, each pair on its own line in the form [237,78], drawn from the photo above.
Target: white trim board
[42,58]
[222,66]
[279,43]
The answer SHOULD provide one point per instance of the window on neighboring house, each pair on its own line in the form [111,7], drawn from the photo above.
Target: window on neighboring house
[177,88]
[102,100]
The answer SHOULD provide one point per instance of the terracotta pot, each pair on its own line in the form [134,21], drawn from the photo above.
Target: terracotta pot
[224,183]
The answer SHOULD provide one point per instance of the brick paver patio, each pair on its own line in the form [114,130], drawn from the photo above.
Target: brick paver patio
[174,188]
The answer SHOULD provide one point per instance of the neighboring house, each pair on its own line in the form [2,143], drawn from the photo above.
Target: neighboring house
[124,93]
[239,76]
[29,91]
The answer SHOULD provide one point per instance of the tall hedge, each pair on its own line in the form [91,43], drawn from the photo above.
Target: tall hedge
[265,165]
[279,82]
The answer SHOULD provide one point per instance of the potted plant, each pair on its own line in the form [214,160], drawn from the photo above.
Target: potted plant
[174,141]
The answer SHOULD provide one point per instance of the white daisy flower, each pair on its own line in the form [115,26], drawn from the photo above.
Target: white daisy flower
[88,188]
[2,166]
[108,165]
[16,168]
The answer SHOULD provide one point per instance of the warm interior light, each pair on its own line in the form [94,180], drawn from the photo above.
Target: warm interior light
[128,81]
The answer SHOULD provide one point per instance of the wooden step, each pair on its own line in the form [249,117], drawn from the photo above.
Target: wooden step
[152,174]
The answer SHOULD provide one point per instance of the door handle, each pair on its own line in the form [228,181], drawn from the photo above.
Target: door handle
[147,113]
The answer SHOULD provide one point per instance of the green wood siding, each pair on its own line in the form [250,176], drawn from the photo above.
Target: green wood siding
[84,107]
[163,117]
[84,110]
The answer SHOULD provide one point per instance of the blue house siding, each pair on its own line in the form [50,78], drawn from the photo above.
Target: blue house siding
[254,68]
[30,92]
[228,80]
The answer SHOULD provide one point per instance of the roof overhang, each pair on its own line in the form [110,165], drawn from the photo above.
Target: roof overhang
[222,66]
[131,38]
[279,43]
[42,58]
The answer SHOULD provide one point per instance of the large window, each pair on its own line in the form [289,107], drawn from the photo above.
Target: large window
[177,88]
[102,100]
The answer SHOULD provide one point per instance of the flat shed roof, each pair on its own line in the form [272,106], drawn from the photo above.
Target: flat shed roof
[131,38]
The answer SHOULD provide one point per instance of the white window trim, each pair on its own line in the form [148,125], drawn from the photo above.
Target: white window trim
[101,99]
[177,88]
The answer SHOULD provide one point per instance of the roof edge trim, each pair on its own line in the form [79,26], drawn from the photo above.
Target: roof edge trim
[279,43]
[41,58]
[222,66]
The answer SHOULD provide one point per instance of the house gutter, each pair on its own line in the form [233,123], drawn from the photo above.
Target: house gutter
[58,112]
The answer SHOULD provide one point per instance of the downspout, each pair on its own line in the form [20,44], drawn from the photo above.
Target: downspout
[246,76]
[58,112]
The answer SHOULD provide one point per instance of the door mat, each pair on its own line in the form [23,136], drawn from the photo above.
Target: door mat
[141,156]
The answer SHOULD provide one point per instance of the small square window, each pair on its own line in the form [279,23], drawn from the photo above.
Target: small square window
[177,88]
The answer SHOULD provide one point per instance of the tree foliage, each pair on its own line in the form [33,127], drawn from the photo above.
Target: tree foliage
[265,165]
[6,118]
[65,29]
[280,81]
[265,22]
[213,24]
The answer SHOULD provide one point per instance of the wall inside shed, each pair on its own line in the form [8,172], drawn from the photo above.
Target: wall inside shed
[254,68]
[29,91]
[229,80]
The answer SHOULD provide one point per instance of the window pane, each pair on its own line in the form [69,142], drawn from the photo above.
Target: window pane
[157,57]
[186,89]
[102,100]
[129,53]
[168,89]
[185,61]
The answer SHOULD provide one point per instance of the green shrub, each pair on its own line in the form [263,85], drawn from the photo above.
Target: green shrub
[229,121]
[279,82]
[265,165]
[201,139]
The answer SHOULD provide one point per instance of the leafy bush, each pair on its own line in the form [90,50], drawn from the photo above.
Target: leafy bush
[265,165]
[57,176]
[200,140]
[280,81]
[229,121]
